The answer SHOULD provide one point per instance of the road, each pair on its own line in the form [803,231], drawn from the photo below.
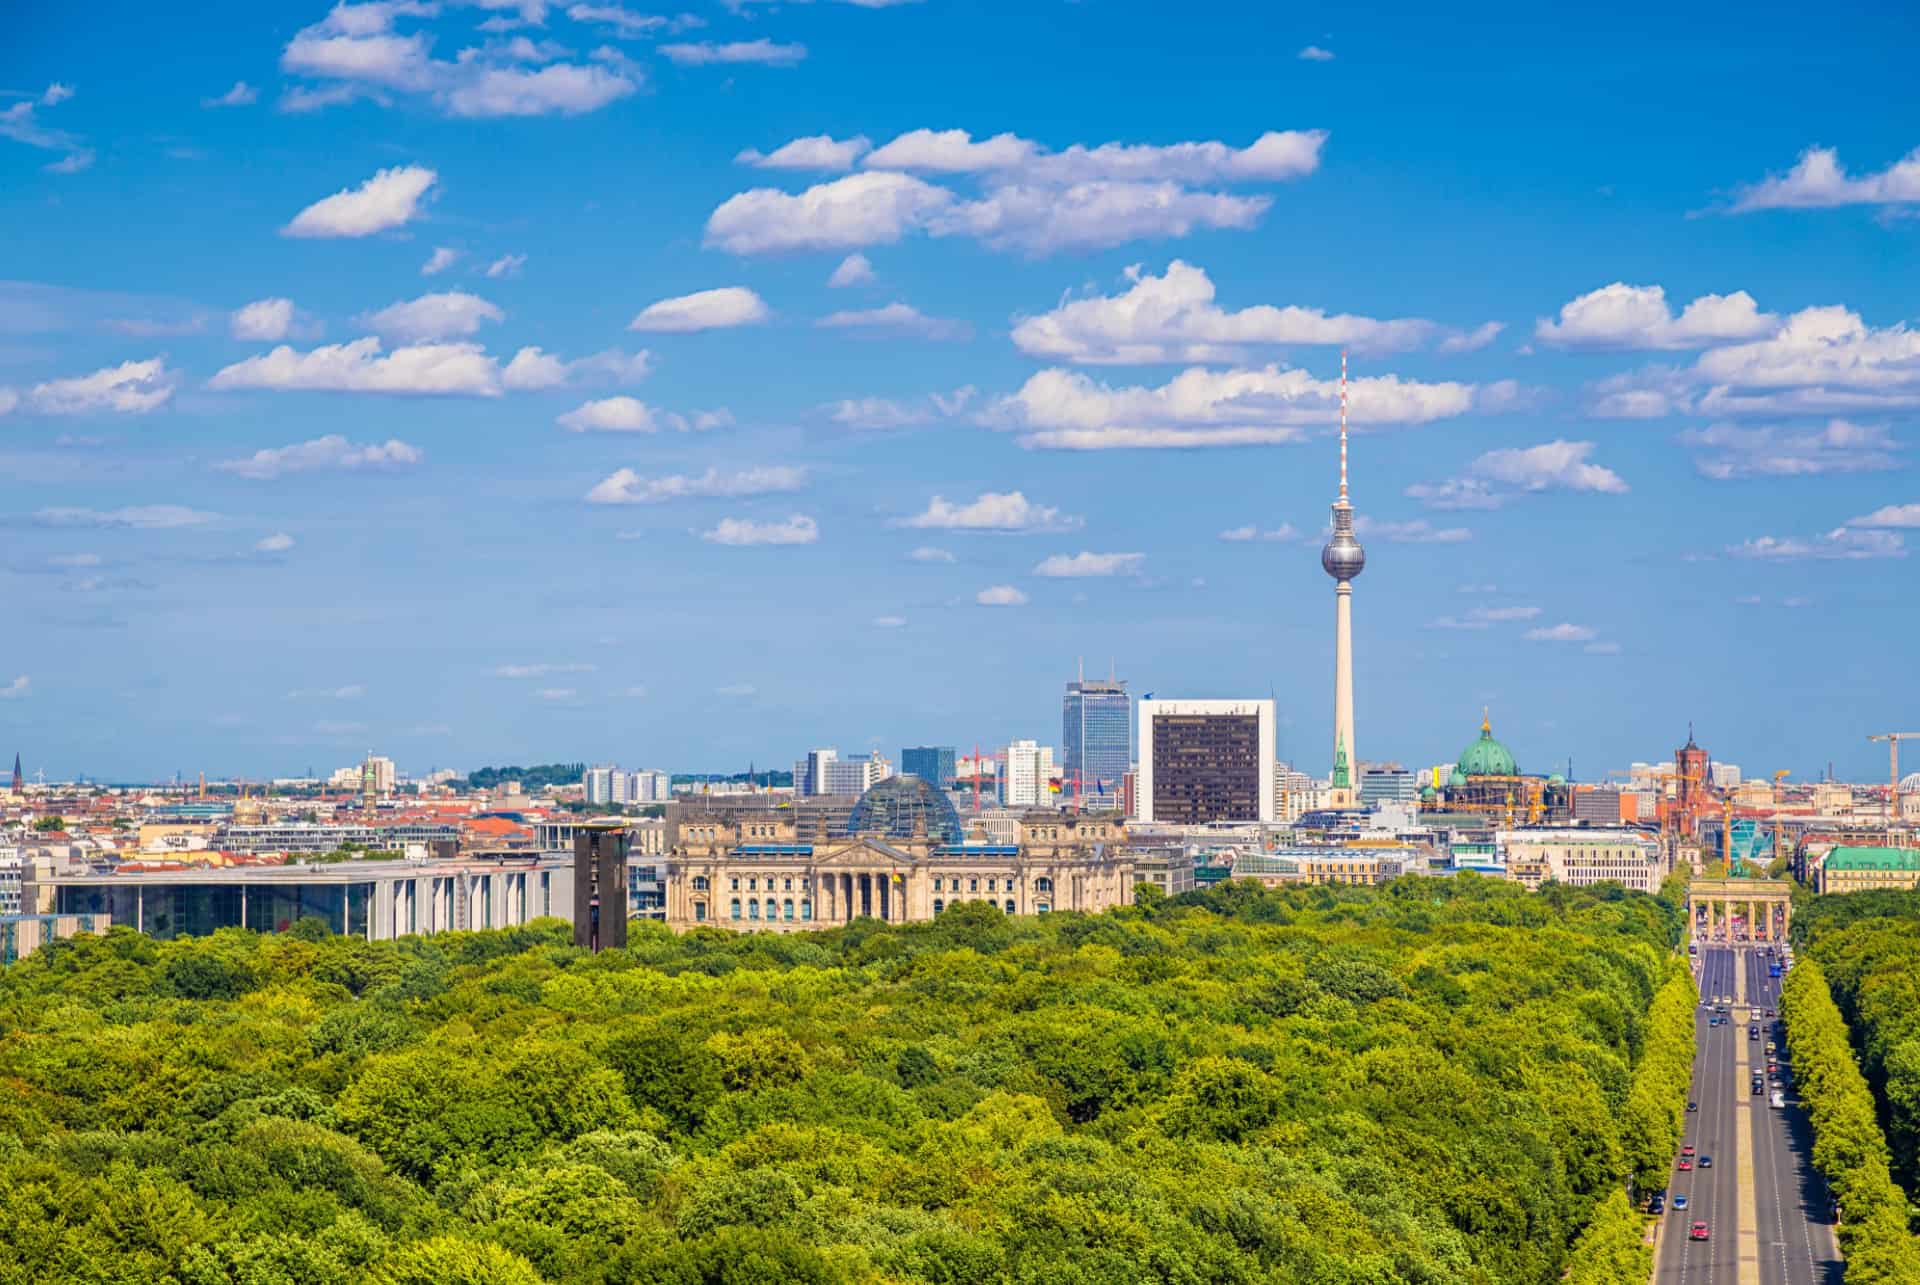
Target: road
[1763,1203]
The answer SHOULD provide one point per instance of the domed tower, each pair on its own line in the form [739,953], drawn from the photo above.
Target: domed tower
[1343,559]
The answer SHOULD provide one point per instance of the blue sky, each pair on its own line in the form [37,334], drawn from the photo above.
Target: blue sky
[628,476]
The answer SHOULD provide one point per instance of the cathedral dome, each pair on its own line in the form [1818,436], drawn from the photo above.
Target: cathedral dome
[905,807]
[1486,756]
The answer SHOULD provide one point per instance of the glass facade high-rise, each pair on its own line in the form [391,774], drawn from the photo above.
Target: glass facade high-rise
[1096,723]
[933,763]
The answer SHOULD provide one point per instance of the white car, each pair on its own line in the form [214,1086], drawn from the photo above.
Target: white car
[1777,1100]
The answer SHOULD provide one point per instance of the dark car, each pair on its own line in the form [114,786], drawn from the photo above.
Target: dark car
[1706,1162]
[1693,1106]
[1657,1205]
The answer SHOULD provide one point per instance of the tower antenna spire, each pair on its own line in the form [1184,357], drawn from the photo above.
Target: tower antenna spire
[1343,423]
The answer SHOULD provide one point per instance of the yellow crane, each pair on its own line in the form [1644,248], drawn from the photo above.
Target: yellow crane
[1893,740]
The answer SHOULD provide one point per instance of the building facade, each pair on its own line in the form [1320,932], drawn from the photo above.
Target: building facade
[1027,779]
[1205,761]
[935,763]
[1096,740]
[760,874]
[1581,858]
[1863,869]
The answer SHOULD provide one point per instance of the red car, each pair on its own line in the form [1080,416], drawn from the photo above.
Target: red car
[1686,1164]
[1687,1150]
[1697,1232]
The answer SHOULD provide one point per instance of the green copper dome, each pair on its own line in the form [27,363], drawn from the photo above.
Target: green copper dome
[1456,778]
[1486,756]
[1428,794]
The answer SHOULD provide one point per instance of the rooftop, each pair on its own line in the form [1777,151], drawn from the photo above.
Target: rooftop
[1850,858]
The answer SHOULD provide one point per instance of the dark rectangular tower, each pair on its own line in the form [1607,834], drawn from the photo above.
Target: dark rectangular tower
[600,884]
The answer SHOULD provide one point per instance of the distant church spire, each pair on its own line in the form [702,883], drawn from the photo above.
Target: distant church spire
[19,780]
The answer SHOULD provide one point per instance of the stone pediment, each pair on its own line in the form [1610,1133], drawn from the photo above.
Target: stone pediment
[863,852]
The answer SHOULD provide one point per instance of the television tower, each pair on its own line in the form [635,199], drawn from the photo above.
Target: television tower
[1343,559]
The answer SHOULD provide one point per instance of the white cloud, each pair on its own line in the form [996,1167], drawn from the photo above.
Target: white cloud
[55,94]
[390,199]
[20,686]
[332,452]
[993,511]
[820,152]
[535,368]
[1727,450]
[1081,565]
[624,21]
[1485,618]
[359,367]
[432,316]
[278,542]
[507,265]
[1274,156]
[1243,534]
[854,270]
[631,415]
[1037,219]
[877,413]
[703,310]
[263,319]
[899,317]
[798,529]
[1418,531]
[1472,340]
[1841,543]
[859,210]
[21,123]
[1000,595]
[1823,359]
[8,400]
[624,486]
[439,261]
[1066,410]
[1314,53]
[1497,475]
[356,52]
[927,553]
[131,388]
[1173,317]
[1624,316]
[241,95]
[138,517]
[557,693]
[1893,515]
[542,669]
[1818,181]
[1560,633]
[706,52]
[889,622]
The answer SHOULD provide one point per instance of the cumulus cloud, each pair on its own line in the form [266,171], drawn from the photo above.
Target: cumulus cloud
[1560,633]
[631,415]
[1892,515]
[1066,410]
[1842,543]
[854,270]
[820,152]
[360,367]
[707,52]
[390,199]
[439,261]
[1000,595]
[703,310]
[1817,180]
[1173,317]
[1418,531]
[1485,618]
[332,452]
[798,529]
[927,553]
[263,319]
[624,486]
[899,318]
[1031,199]
[877,413]
[1314,53]
[138,517]
[1498,475]
[131,388]
[432,316]
[241,95]
[278,542]
[1082,565]
[20,686]
[1009,511]
[1726,450]
[356,51]
[1821,359]
[542,669]
[535,368]
[1250,532]
[507,265]
[625,22]
[1624,316]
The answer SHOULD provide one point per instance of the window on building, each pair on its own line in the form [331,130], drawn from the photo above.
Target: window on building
[736,907]
[786,885]
[753,885]
[753,909]
[1009,907]
[736,883]
[1043,884]
[938,905]
[1044,907]
[973,885]
[699,912]
[806,909]
[699,883]
[990,886]
[786,908]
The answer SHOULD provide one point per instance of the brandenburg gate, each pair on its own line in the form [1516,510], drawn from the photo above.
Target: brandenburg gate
[1752,910]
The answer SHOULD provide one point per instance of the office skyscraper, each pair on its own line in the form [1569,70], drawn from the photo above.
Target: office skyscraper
[1205,761]
[1096,726]
[931,763]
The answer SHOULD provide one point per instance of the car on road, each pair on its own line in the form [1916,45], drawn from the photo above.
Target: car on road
[1685,1165]
[1706,1162]
[1687,1150]
[1679,1202]
[1658,1204]
[1697,1232]
[1778,1101]
[1769,1012]
[1753,1032]
[1693,1106]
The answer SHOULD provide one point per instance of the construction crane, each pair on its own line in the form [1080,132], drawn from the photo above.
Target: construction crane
[1893,740]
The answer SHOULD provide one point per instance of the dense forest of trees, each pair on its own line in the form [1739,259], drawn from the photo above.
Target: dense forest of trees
[530,778]
[1443,1081]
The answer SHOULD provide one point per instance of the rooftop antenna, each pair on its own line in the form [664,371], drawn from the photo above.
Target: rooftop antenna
[1343,424]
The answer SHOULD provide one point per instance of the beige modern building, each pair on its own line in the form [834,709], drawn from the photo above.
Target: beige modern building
[1581,858]
[901,865]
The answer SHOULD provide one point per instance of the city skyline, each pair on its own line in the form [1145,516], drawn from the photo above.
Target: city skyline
[751,416]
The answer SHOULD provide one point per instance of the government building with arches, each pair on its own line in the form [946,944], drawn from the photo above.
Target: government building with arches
[905,859]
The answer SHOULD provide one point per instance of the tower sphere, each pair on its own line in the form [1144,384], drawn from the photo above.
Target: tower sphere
[1343,558]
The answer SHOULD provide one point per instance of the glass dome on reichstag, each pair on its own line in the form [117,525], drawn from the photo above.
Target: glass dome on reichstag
[905,807]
